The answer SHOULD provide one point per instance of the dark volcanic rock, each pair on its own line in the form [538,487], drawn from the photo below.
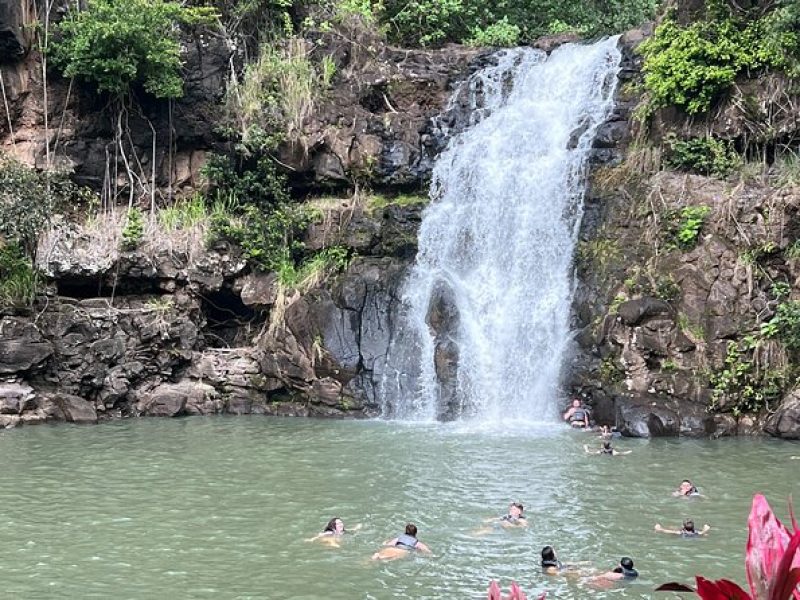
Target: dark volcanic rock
[22,346]
[785,423]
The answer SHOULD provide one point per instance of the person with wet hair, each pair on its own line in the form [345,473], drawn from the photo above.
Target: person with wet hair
[606,449]
[550,564]
[688,530]
[402,545]
[333,532]
[686,490]
[623,571]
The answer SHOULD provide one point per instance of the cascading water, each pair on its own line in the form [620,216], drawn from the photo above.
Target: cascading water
[484,324]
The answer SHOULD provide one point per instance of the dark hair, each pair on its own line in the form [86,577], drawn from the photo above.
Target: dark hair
[518,505]
[548,554]
[331,526]
[607,445]
[688,525]
[411,529]
[626,562]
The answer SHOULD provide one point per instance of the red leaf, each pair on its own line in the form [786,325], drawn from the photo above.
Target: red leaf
[516,593]
[722,589]
[494,591]
[765,546]
[785,580]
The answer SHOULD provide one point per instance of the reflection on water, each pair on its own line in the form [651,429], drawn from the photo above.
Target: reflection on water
[219,508]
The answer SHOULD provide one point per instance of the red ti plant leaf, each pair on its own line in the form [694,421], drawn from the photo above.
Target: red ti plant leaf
[494,591]
[516,593]
[770,554]
[722,589]
[785,582]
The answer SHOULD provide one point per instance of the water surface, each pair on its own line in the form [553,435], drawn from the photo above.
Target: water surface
[220,507]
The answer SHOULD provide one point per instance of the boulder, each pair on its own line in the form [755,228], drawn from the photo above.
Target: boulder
[22,346]
[14,398]
[172,399]
[633,312]
[644,419]
[785,421]
[73,409]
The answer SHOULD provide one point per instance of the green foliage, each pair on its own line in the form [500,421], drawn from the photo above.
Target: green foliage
[19,282]
[690,67]
[781,289]
[785,325]
[259,182]
[708,156]
[276,95]
[133,232]
[610,372]
[28,199]
[380,201]
[793,251]
[743,386]
[501,33]
[684,225]
[184,214]
[118,43]
[667,288]
[599,254]
[434,22]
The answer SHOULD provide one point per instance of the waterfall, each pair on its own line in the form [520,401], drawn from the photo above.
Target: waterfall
[484,324]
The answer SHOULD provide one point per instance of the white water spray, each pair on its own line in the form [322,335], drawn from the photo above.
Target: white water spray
[484,326]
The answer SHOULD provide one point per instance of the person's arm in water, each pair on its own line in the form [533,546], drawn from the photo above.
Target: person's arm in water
[586,449]
[569,412]
[616,452]
[390,542]
[706,528]
[661,529]
[354,529]
[423,548]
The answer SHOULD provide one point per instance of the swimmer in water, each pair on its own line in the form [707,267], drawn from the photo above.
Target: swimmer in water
[333,532]
[623,571]
[552,566]
[514,518]
[606,449]
[606,433]
[402,545]
[686,489]
[687,531]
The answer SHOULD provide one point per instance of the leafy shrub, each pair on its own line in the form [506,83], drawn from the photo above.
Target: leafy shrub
[741,384]
[434,22]
[184,214]
[707,155]
[133,232]
[501,33]
[785,325]
[28,199]
[690,67]
[117,43]
[685,225]
[258,181]
[19,281]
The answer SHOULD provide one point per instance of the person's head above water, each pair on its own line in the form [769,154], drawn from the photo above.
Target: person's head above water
[607,446]
[688,526]
[687,488]
[515,509]
[576,403]
[335,525]
[626,567]
[548,555]
[411,529]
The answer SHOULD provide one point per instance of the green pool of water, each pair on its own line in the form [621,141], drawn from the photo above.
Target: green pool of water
[220,508]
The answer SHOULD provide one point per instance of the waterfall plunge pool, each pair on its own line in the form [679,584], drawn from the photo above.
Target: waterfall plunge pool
[219,508]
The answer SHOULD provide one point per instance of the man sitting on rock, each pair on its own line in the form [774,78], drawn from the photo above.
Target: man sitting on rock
[577,415]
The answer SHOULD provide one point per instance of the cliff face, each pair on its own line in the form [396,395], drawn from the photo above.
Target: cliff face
[176,327]
[682,275]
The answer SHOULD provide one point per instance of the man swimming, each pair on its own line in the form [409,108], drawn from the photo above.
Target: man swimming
[688,530]
[622,571]
[401,545]
[606,449]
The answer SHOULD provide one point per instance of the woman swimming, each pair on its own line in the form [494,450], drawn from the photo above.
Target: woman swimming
[333,532]
[606,449]
[686,489]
